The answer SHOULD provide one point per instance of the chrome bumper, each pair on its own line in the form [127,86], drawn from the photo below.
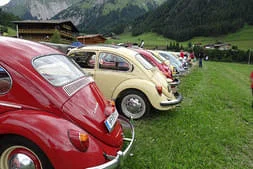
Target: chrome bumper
[121,155]
[178,99]
[175,82]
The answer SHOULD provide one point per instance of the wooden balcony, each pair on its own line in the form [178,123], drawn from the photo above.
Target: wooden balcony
[45,31]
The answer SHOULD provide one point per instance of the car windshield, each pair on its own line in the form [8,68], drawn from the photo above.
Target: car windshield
[158,60]
[171,58]
[57,69]
[143,62]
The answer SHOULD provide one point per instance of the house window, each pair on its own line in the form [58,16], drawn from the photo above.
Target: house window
[5,81]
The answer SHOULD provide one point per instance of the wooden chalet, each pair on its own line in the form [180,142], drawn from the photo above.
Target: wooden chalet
[42,30]
[91,39]
[219,46]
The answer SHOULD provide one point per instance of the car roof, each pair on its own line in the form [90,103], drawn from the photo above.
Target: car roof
[20,49]
[112,48]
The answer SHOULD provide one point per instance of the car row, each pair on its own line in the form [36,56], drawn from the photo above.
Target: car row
[53,115]
[125,76]
[61,111]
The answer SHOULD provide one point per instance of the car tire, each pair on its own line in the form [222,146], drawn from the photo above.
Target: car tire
[17,151]
[133,104]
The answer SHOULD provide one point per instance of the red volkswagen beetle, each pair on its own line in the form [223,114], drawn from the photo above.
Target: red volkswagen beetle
[52,115]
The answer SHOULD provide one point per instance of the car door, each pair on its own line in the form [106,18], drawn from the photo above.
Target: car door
[112,70]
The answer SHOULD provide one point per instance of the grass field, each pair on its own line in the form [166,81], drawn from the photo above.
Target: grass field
[243,39]
[212,128]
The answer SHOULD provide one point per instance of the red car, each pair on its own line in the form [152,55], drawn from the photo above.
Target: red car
[161,66]
[52,114]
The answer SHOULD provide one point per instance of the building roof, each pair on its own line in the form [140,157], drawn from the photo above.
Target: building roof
[92,36]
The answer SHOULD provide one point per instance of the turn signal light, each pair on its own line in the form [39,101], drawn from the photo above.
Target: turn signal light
[167,75]
[79,140]
[110,107]
[111,102]
[159,89]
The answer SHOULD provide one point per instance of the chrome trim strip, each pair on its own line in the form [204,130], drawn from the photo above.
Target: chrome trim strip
[10,105]
[73,87]
[175,82]
[178,99]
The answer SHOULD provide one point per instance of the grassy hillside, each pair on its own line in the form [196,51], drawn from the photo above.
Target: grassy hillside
[11,32]
[243,39]
[184,19]
[212,128]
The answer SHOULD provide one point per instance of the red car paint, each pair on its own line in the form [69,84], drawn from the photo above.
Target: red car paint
[161,66]
[44,113]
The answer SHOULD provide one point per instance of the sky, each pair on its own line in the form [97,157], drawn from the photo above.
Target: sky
[4,2]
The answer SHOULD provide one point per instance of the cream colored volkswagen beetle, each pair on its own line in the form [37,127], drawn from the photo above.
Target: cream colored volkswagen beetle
[125,76]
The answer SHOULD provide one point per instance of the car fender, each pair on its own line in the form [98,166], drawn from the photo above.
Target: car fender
[146,87]
[50,133]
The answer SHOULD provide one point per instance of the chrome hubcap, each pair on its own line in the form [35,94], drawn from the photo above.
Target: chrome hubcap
[20,161]
[133,106]
[19,157]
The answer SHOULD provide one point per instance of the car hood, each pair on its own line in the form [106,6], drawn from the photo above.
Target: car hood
[88,109]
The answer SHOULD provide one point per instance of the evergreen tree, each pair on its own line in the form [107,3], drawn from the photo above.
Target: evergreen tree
[56,38]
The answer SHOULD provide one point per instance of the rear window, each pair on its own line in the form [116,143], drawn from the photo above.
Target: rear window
[57,69]
[143,62]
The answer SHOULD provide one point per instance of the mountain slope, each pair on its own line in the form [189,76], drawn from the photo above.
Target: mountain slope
[90,16]
[37,9]
[102,16]
[184,19]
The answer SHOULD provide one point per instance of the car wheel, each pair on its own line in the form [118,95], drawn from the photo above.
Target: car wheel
[133,104]
[17,153]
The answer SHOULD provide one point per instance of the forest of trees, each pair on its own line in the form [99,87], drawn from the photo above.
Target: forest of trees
[5,21]
[183,19]
[116,21]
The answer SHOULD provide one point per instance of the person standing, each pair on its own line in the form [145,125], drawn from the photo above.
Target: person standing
[142,44]
[192,55]
[201,56]
[182,54]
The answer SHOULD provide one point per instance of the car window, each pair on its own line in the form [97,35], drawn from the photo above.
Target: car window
[5,81]
[143,62]
[113,62]
[162,57]
[155,58]
[85,59]
[171,58]
[57,69]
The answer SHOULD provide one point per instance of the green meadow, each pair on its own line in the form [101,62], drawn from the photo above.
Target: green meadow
[243,39]
[212,128]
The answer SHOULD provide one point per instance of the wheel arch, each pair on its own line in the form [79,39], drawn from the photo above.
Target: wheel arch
[137,85]
[24,145]
[46,130]
[130,89]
